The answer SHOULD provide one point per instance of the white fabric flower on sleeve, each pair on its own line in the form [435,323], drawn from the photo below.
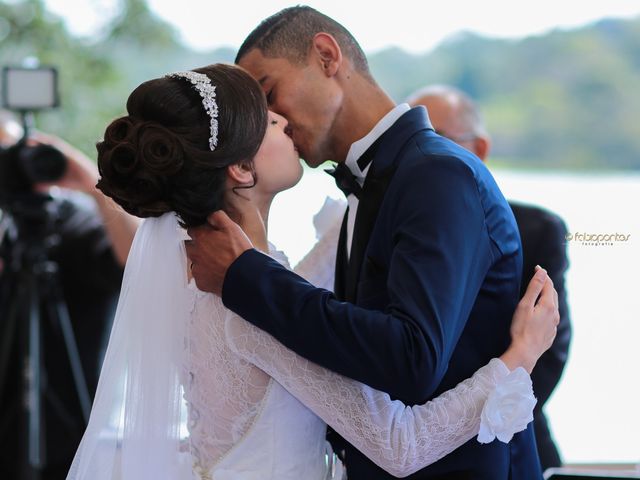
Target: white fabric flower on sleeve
[508,409]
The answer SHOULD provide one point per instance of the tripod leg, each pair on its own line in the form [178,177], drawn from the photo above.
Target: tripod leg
[9,327]
[58,309]
[33,384]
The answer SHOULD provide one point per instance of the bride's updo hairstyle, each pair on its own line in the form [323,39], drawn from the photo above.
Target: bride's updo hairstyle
[157,158]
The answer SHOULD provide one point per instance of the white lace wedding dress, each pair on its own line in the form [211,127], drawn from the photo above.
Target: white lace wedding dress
[257,411]
[254,410]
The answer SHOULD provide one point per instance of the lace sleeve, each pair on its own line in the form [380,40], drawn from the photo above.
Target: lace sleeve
[399,439]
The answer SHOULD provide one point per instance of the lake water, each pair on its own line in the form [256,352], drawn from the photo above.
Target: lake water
[595,411]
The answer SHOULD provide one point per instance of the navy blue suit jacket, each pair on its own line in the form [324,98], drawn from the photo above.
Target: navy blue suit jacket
[432,283]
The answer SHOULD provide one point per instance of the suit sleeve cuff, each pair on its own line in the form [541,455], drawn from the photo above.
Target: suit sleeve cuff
[243,277]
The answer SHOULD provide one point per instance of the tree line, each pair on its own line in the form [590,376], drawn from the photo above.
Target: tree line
[564,100]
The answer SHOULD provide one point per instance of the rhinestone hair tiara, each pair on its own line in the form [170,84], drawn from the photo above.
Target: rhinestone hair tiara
[207,91]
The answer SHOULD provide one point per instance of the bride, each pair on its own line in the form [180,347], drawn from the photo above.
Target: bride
[190,390]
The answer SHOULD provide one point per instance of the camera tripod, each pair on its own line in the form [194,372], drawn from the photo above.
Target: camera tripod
[31,291]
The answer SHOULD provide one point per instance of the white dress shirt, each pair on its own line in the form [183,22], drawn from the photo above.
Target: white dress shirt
[356,151]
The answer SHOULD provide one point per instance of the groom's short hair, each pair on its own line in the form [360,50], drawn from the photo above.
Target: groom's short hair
[289,33]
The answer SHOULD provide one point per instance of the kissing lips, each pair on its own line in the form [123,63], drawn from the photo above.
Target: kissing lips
[289,132]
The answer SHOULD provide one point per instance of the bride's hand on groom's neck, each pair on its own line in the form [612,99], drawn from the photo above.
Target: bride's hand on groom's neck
[213,248]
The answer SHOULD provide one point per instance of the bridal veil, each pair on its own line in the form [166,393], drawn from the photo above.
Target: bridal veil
[134,431]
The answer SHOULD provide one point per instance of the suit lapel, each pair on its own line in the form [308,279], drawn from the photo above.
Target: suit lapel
[340,277]
[368,207]
[383,166]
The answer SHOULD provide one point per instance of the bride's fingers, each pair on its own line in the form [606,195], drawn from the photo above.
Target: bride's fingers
[547,302]
[555,292]
[534,288]
[547,294]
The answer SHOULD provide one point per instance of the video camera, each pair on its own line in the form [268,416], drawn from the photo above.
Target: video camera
[31,283]
[26,90]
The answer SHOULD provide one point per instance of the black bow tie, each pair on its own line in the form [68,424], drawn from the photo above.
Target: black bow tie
[345,180]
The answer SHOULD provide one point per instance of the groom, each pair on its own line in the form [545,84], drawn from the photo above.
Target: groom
[429,259]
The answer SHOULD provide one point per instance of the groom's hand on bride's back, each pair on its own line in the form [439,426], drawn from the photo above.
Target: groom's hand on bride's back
[213,248]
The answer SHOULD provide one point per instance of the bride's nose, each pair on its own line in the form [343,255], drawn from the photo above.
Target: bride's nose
[281,120]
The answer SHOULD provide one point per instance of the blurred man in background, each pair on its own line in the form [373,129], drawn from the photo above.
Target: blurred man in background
[93,240]
[455,116]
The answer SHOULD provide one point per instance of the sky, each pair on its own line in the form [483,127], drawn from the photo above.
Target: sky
[415,25]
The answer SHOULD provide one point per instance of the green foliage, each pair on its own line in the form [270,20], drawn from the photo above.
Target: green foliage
[96,76]
[137,25]
[567,99]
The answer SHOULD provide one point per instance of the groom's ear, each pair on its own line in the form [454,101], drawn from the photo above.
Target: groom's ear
[242,173]
[327,52]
